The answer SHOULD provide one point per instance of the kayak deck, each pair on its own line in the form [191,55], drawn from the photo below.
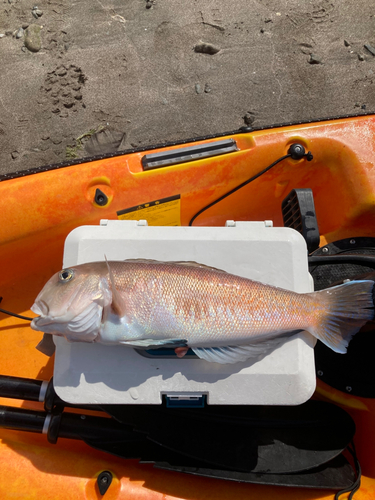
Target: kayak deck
[38,211]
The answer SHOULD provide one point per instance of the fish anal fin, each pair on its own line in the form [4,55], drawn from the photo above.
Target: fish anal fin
[238,353]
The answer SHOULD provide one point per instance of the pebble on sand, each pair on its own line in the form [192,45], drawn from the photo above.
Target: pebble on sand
[33,40]
[249,118]
[198,88]
[36,12]
[314,59]
[206,48]
[19,33]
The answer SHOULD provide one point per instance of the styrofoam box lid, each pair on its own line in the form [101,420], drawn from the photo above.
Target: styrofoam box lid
[91,373]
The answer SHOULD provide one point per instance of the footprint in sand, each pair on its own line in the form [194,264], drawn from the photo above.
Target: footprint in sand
[63,88]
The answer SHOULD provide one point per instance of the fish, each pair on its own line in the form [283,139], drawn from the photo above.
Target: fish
[223,318]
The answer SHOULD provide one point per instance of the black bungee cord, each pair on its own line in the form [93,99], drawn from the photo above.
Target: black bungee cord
[296,152]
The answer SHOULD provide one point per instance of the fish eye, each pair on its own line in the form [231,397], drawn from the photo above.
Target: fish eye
[66,275]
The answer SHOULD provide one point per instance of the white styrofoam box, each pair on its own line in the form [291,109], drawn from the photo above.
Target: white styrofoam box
[101,374]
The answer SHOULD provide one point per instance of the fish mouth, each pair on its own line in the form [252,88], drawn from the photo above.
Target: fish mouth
[83,326]
[40,323]
[45,317]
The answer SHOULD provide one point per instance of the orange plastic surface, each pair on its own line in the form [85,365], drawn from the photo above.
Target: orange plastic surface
[38,211]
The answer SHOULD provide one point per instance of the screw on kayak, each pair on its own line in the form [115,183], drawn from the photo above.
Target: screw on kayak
[296,151]
[100,198]
[104,481]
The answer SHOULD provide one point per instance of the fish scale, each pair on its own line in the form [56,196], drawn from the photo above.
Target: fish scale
[233,309]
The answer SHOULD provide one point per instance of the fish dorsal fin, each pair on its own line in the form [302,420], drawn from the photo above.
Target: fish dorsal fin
[118,304]
[188,263]
[238,353]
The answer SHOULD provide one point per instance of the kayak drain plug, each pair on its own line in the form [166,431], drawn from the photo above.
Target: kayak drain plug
[104,481]
[100,198]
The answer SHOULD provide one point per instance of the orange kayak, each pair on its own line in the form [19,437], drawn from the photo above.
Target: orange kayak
[40,208]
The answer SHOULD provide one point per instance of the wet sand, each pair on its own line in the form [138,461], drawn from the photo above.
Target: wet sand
[170,70]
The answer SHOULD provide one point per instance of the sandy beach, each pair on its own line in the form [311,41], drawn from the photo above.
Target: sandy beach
[167,70]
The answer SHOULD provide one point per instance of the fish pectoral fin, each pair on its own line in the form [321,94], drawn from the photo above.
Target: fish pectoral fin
[118,304]
[238,353]
[155,344]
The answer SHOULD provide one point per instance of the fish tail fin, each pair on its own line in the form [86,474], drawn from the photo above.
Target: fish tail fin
[348,308]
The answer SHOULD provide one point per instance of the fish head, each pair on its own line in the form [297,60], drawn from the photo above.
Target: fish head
[71,303]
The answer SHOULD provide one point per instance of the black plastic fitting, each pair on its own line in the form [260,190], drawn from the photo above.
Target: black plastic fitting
[297,152]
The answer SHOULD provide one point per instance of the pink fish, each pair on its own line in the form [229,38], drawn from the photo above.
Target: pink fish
[220,316]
